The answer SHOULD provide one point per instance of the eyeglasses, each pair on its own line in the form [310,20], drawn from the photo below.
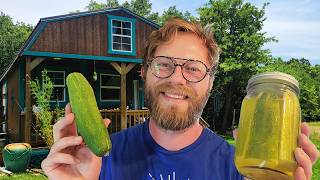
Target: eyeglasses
[192,70]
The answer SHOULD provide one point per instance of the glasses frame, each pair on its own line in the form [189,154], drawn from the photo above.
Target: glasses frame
[208,71]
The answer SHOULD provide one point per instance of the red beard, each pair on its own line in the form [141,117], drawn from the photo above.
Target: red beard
[170,118]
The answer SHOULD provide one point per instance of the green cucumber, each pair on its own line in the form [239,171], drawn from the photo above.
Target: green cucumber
[89,121]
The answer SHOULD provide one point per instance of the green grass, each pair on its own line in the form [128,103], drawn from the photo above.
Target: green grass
[317,123]
[230,140]
[314,137]
[23,176]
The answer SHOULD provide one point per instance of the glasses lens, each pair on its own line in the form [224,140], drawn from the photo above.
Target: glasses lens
[194,71]
[162,67]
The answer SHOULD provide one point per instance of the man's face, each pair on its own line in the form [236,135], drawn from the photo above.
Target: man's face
[176,104]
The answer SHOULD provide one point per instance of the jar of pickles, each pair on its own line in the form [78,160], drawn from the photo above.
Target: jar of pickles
[269,127]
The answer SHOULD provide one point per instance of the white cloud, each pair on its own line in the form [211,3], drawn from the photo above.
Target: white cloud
[296,24]
[296,38]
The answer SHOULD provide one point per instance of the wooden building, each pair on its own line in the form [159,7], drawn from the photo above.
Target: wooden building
[106,46]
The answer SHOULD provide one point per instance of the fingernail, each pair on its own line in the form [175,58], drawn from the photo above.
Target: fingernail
[79,138]
[298,151]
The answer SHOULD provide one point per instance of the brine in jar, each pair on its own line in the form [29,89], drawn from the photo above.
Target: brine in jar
[269,127]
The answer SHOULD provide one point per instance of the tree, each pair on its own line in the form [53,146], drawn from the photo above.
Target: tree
[141,7]
[173,12]
[238,31]
[12,37]
[144,9]
[309,82]
[315,72]
[93,5]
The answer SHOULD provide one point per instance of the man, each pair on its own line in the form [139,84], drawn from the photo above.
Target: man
[178,70]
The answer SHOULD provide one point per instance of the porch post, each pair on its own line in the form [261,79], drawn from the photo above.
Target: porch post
[123,95]
[123,71]
[28,109]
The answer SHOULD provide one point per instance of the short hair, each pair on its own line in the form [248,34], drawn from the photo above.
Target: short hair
[172,28]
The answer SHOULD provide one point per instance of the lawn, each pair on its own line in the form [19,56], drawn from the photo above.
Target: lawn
[315,138]
[24,176]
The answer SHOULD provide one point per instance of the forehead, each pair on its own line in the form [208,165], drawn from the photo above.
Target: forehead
[184,45]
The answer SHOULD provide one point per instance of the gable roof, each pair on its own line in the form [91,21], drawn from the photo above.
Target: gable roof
[43,22]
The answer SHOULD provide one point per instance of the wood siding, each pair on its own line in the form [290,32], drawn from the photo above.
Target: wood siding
[86,35]
[14,124]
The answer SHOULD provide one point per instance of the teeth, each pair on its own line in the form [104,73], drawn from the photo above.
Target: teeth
[175,96]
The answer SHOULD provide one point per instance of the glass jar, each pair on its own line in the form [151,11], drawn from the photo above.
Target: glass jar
[269,127]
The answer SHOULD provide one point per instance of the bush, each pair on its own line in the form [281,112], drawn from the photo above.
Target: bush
[44,116]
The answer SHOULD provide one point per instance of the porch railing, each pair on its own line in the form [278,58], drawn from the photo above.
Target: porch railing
[133,117]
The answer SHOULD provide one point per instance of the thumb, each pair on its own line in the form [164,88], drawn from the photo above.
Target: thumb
[106,122]
[235,134]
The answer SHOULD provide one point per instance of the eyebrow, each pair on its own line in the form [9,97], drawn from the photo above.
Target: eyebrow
[185,59]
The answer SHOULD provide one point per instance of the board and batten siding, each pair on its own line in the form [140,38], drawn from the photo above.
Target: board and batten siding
[14,127]
[86,36]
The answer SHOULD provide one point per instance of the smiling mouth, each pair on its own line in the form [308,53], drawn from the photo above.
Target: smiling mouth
[175,96]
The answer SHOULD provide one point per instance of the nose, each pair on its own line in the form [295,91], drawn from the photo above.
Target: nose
[177,77]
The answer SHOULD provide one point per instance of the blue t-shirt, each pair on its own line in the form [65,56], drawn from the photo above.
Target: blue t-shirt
[135,155]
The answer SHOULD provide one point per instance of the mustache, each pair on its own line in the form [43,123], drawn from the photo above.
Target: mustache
[176,89]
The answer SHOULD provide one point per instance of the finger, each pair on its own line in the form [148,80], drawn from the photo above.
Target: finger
[64,143]
[304,161]
[60,127]
[305,129]
[299,174]
[59,158]
[68,109]
[106,122]
[309,148]
[235,134]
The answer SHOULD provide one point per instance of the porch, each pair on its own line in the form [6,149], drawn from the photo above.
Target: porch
[133,117]
[117,87]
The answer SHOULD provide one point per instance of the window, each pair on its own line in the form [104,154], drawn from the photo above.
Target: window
[121,35]
[4,99]
[58,80]
[109,87]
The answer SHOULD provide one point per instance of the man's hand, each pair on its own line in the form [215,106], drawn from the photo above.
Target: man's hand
[306,155]
[69,157]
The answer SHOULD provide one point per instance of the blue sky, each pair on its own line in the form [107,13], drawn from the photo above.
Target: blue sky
[295,23]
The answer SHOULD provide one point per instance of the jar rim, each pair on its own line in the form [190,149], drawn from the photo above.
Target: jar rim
[274,77]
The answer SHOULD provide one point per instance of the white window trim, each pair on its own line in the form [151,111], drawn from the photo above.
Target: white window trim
[4,102]
[121,35]
[108,87]
[64,85]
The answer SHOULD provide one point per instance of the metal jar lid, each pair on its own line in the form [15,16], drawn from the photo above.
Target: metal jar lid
[274,77]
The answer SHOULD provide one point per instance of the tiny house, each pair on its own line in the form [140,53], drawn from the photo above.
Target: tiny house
[106,46]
